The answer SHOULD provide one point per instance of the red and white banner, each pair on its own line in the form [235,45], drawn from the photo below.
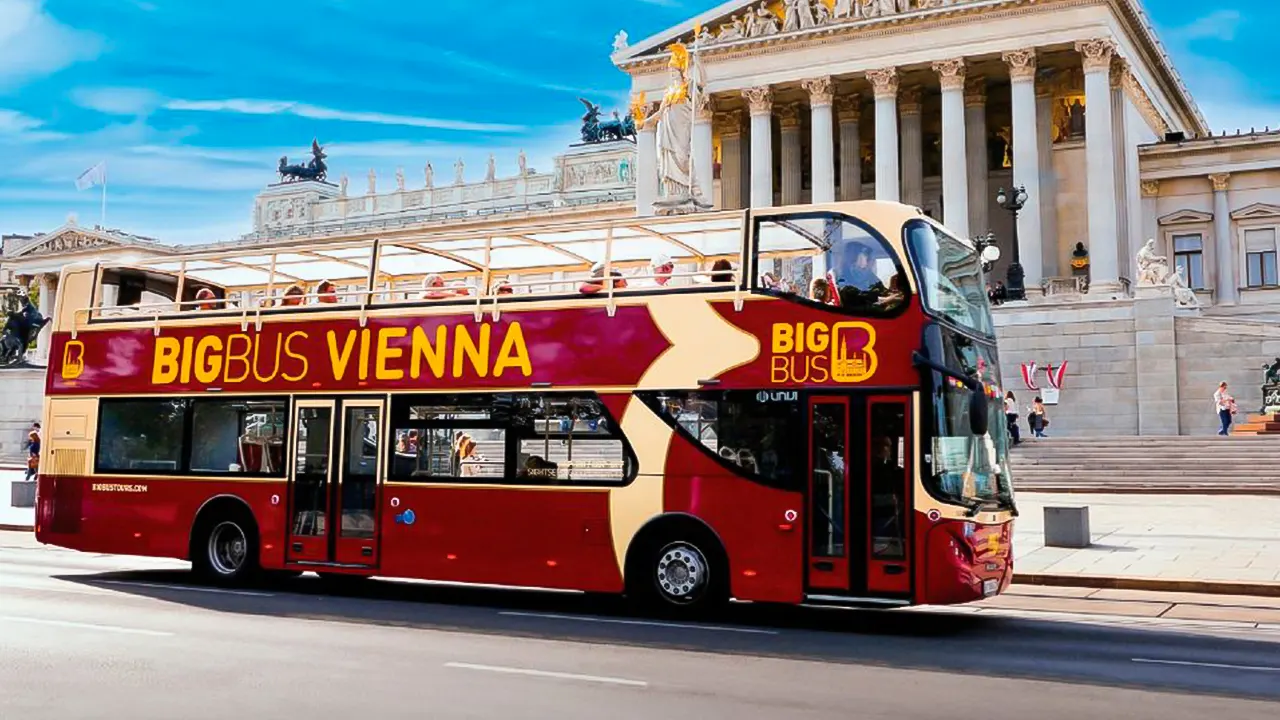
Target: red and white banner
[1029,375]
[1055,375]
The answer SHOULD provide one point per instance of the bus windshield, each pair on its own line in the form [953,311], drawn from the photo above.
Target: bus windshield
[949,273]
[970,469]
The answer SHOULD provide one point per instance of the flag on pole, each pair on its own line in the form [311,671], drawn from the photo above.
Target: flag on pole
[96,175]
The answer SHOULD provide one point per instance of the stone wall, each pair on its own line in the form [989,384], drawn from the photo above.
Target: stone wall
[23,393]
[1213,350]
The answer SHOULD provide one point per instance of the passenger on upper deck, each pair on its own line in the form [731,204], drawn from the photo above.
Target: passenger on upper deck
[206,300]
[326,293]
[596,283]
[660,267]
[502,287]
[433,288]
[293,296]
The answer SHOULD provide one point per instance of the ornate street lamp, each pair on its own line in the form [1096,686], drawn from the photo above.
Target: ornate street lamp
[988,251]
[1013,202]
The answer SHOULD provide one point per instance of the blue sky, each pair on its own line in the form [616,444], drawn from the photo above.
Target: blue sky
[192,103]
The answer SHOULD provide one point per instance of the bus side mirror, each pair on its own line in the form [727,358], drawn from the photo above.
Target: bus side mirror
[979,412]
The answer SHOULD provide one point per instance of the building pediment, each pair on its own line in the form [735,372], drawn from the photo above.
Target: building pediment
[1257,211]
[742,23]
[1186,217]
[69,240]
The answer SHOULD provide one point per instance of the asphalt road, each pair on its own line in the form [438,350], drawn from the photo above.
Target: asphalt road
[86,636]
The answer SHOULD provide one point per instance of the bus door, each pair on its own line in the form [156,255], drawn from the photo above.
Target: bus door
[334,486]
[858,491]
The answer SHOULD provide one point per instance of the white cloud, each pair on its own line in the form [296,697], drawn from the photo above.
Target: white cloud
[1217,25]
[116,100]
[20,128]
[33,44]
[315,112]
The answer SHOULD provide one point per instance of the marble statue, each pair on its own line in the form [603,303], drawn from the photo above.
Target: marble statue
[674,120]
[399,179]
[705,37]
[620,41]
[766,21]
[523,163]
[459,172]
[430,174]
[821,13]
[342,186]
[731,30]
[844,8]
[1184,296]
[749,19]
[797,15]
[1153,269]
[373,182]
[491,170]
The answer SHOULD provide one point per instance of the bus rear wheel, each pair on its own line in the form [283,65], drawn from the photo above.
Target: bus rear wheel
[226,553]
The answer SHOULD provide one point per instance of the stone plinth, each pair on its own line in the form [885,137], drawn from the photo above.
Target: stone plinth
[1268,424]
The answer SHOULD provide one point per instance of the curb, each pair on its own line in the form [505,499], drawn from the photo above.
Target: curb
[1203,587]
[17,528]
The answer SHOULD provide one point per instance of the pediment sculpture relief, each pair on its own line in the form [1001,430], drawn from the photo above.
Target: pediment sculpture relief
[756,20]
[67,242]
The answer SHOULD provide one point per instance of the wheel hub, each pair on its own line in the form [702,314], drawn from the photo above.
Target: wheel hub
[681,572]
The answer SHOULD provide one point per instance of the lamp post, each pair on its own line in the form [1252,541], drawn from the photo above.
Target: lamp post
[1013,201]
[988,252]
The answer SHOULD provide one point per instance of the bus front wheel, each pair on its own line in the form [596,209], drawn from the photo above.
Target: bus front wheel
[227,551]
[683,577]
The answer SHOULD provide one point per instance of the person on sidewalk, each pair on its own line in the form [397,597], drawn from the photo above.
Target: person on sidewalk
[33,455]
[1226,407]
[1011,417]
[1038,419]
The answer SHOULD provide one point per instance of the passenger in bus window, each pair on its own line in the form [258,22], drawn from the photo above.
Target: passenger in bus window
[596,282]
[722,271]
[820,291]
[206,299]
[293,296]
[326,293]
[433,288]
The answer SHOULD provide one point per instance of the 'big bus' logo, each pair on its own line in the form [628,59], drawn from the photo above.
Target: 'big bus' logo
[72,360]
[818,352]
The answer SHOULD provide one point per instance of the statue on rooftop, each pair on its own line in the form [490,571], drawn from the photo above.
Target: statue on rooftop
[313,170]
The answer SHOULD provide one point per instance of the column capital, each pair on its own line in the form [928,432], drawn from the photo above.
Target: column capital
[1022,64]
[821,91]
[1221,181]
[950,73]
[1097,54]
[909,100]
[728,122]
[703,110]
[759,99]
[789,116]
[849,108]
[884,82]
[1119,71]
[975,91]
[1150,188]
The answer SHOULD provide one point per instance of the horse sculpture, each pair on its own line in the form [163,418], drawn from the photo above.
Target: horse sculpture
[314,170]
[594,131]
[20,330]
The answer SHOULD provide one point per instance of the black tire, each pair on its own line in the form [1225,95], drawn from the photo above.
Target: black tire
[679,576]
[225,549]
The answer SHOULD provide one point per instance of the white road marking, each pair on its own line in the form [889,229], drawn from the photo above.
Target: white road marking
[85,626]
[648,623]
[546,674]
[188,588]
[1223,666]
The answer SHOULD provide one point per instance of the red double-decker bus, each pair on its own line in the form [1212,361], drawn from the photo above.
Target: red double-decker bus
[792,405]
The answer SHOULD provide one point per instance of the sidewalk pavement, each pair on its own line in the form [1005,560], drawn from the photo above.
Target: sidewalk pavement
[12,518]
[1192,543]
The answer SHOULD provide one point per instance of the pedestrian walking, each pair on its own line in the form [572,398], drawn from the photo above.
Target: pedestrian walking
[1038,420]
[33,455]
[1011,417]
[1226,407]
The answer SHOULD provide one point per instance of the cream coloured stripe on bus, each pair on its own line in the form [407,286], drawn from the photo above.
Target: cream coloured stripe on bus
[703,345]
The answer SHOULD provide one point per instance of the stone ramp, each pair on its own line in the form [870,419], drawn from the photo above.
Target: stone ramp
[1184,465]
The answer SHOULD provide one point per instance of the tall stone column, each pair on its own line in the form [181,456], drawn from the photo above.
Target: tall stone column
[975,126]
[1226,287]
[912,147]
[884,84]
[1100,164]
[46,309]
[1150,217]
[1026,164]
[1048,176]
[646,168]
[1119,139]
[822,152]
[849,114]
[760,105]
[789,123]
[703,150]
[955,162]
[732,160]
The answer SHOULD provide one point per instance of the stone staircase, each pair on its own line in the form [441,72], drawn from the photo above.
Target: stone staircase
[1244,464]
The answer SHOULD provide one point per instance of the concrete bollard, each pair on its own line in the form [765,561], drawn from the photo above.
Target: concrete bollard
[22,494]
[1067,527]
